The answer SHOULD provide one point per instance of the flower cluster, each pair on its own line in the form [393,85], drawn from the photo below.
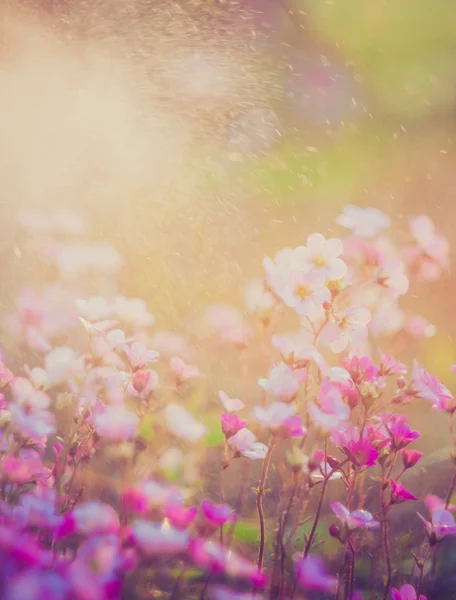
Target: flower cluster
[123,468]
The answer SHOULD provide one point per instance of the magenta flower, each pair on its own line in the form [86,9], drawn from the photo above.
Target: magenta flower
[400,433]
[358,449]
[406,592]
[429,388]
[357,519]
[312,575]
[217,514]
[399,493]
[24,468]
[410,457]
[179,516]
[231,424]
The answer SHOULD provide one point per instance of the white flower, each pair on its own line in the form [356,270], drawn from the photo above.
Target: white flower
[322,257]
[349,327]
[363,222]
[156,539]
[281,383]
[139,355]
[116,423]
[182,424]
[244,441]
[58,364]
[274,415]
[230,404]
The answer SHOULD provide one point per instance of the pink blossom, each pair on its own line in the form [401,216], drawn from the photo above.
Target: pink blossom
[6,376]
[230,404]
[303,292]
[231,424]
[357,519]
[245,442]
[331,411]
[390,366]
[432,253]
[281,383]
[24,468]
[418,327]
[363,222]
[179,516]
[140,380]
[312,575]
[217,514]
[117,423]
[399,493]
[429,388]
[258,300]
[360,368]
[325,472]
[410,457]
[406,592]
[348,327]
[433,503]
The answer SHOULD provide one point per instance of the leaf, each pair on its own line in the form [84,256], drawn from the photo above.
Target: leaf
[215,437]
[247,532]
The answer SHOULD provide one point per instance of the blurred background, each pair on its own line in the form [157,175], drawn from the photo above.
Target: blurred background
[198,136]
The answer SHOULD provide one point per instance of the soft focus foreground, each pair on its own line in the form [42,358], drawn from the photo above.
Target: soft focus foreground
[128,472]
[187,411]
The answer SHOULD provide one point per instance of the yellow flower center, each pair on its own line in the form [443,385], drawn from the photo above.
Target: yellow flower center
[303,291]
[319,261]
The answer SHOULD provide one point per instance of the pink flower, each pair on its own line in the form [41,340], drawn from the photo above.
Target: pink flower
[410,457]
[433,502]
[217,514]
[231,424]
[406,592]
[244,442]
[390,366]
[179,516]
[331,410]
[357,519]
[349,326]
[429,388]
[418,327]
[140,380]
[24,469]
[360,368]
[281,383]
[230,404]
[399,493]
[363,222]
[117,423]
[312,575]
[140,356]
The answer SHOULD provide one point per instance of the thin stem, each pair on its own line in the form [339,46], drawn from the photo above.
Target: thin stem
[281,534]
[259,501]
[384,531]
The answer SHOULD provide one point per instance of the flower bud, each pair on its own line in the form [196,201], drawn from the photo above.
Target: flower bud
[410,457]
[332,462]
[316,459]
[140,380]
[334,531]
